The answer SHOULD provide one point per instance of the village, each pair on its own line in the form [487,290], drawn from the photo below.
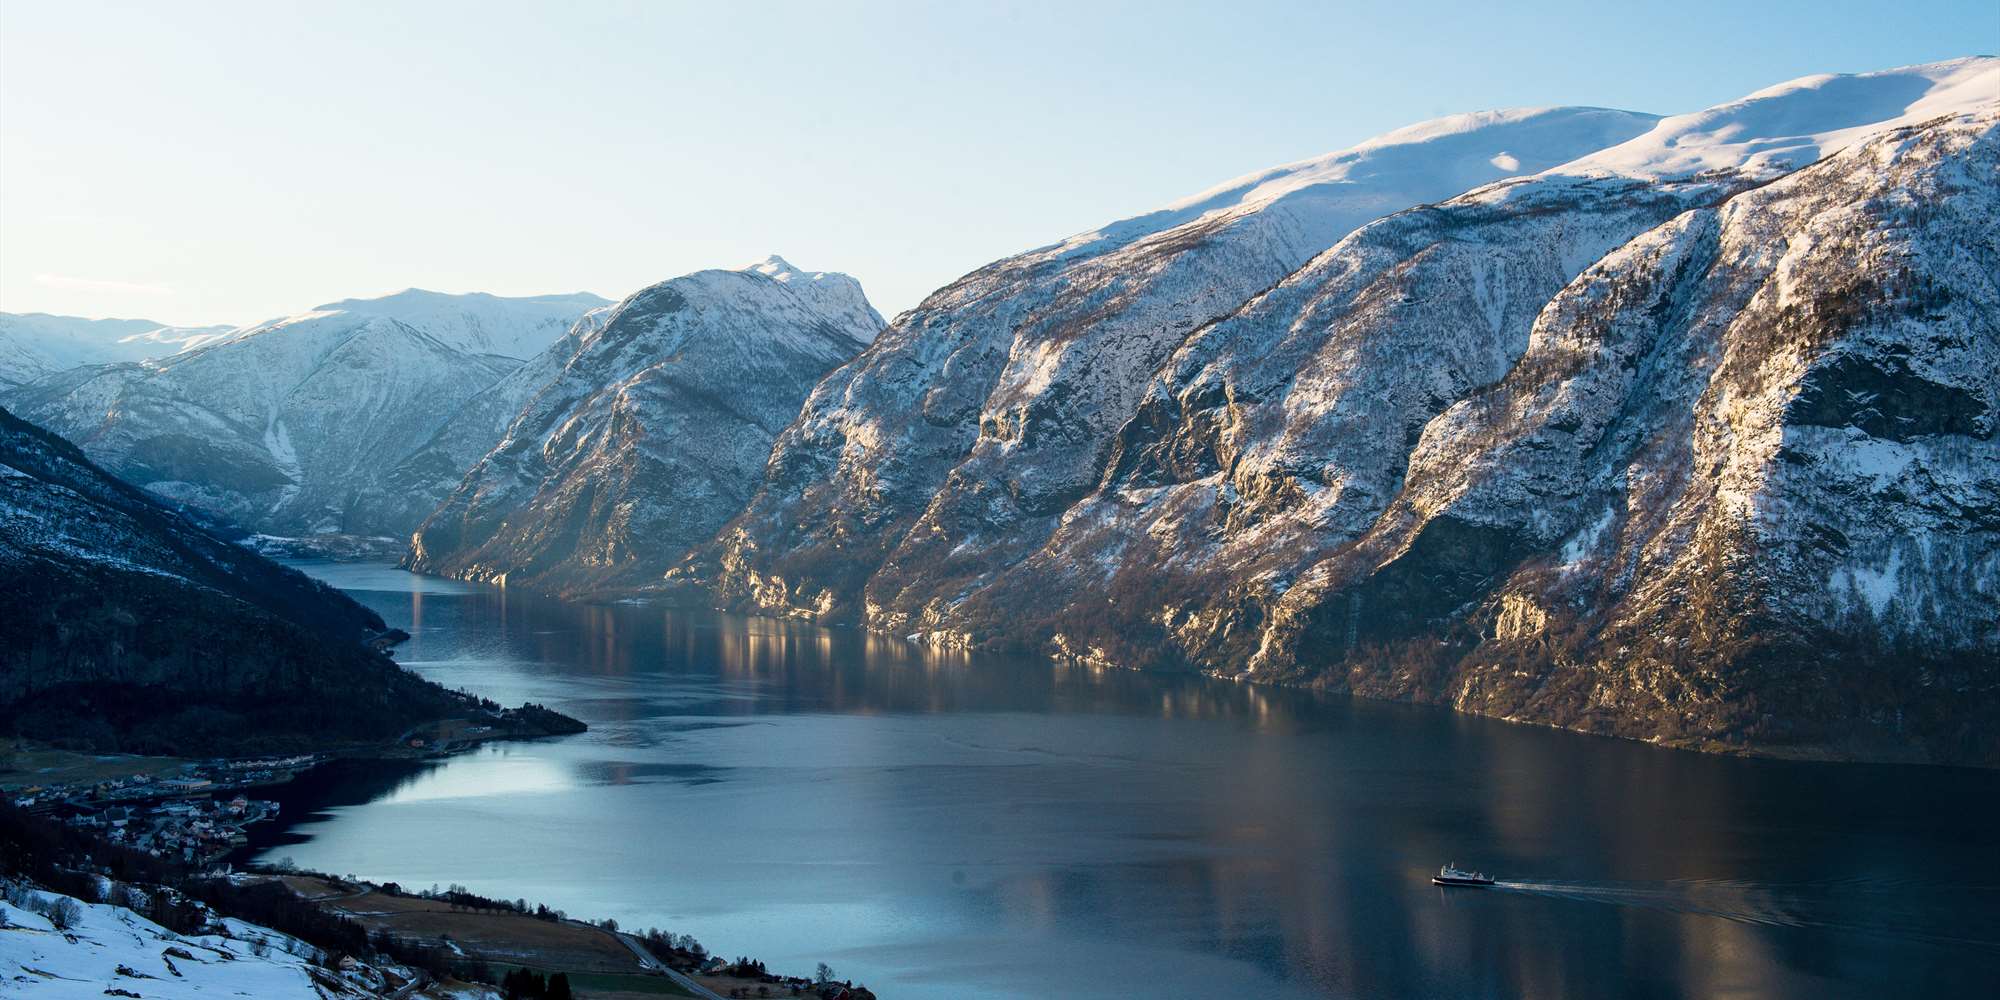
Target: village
[185,814]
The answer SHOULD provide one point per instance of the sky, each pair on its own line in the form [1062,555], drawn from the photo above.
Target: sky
[219,162]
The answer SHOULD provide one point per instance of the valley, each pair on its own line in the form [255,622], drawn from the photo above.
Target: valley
[1604,500]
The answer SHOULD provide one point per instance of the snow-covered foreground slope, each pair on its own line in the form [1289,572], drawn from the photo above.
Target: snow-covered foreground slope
[1687,434]
[109,947]
[33,345]
[643,431]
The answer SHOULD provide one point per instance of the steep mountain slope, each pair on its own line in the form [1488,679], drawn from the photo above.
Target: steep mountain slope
[415,487]
[33,345]
[1675,440]
[645,429]
[124,626]
[292,427]
[1005,386]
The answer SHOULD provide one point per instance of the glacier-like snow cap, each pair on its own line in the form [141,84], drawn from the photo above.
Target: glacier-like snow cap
[1767,133]
[1785,127]
[1331,195]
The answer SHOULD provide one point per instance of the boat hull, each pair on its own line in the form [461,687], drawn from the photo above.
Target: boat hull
[1467,883]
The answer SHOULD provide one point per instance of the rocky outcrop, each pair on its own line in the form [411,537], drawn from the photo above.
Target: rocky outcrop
[644,430]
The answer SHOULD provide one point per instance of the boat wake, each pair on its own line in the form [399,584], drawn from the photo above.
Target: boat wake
[1954,916]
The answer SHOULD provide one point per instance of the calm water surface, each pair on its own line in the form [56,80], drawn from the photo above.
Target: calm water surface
[938,826]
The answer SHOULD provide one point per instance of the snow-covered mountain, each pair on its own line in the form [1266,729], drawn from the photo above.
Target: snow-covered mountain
[518,327]
[642,431]
[1676,428]
[1005,386]
[33,345]
[291,426]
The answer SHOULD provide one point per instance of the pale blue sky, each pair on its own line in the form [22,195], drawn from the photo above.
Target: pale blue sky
[228,162]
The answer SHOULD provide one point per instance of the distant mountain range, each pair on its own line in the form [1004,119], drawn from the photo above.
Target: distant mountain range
[36,344]
[33,345]
[290,426]
[1679,429]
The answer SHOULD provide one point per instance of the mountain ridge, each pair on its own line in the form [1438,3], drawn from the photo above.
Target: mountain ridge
[640,434]
[1250,499]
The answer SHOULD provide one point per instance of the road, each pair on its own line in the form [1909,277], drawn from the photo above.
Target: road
[647,960]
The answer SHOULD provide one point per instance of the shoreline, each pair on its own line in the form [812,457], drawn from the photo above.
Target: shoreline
[682,596]
[174,800]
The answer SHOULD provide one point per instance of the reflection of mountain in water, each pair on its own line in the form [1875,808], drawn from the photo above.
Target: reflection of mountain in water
[1008,827]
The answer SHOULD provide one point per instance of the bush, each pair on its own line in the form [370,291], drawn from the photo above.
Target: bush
[64,913]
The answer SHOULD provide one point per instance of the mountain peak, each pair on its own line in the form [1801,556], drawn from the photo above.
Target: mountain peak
[776,267]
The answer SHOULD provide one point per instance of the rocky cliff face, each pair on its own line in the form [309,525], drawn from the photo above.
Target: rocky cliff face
[1686,437]
[996,398]
[644,430]
[123,626]
[303,425]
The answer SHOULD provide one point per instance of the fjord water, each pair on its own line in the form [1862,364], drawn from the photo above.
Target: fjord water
[939,825]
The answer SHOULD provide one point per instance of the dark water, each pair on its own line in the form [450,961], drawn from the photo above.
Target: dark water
[943,827]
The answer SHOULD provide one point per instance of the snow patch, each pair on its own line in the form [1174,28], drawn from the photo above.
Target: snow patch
[1875,587]
[1584,542]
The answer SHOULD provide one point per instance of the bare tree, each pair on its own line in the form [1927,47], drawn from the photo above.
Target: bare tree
[64,913]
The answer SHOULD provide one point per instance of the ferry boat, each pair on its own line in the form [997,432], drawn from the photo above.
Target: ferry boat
[1450,875]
